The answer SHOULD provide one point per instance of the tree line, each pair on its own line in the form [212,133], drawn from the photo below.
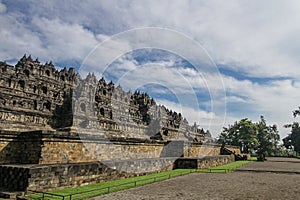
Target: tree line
[260,138]
[292,141]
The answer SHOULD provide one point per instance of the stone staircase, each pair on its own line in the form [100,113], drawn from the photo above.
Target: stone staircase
[225,151]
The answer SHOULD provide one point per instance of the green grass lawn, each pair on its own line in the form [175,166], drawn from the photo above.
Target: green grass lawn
[92,190]
[228,167]
[253,158]
[115,185]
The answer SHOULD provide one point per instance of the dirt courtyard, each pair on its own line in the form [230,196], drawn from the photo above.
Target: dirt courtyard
[277,178]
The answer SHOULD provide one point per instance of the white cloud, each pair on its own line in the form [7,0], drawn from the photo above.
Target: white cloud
[16,39]
[65,41]
[275,100]
[255,37]
[2,8]
[132,75]
[205,119]
[47,39]
[258,38]
[235,99]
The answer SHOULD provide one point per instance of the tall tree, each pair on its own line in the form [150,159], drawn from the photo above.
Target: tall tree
[242,134]
[268,138]
[251,137]
[296,112]
[292,141]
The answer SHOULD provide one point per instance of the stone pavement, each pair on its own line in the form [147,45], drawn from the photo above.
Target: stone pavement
[277,178]
[275,165]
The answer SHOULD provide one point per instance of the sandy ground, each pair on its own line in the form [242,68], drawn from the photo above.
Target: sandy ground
[273,179]
[280,165]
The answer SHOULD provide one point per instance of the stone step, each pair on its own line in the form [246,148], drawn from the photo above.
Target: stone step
[10,195]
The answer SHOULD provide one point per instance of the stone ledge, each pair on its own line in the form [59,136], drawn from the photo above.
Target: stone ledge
[203,162]
[58,176]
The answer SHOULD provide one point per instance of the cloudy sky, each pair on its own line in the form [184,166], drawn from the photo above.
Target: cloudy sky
[214,61]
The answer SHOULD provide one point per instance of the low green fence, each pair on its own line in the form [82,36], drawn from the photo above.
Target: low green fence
[104,190]
[109,189]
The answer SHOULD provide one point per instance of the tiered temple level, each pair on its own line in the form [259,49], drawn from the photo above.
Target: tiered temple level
[35,96]
[58,130]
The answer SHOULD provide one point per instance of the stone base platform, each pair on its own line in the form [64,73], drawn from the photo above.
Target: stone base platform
[203,162]
[37,177]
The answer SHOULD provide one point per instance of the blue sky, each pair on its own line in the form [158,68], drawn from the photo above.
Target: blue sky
[254,45]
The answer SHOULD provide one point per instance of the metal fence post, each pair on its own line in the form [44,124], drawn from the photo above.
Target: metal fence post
[70,196]
[43,196]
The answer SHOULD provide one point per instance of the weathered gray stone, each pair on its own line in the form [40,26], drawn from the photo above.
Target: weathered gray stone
[35,96]
[58,130]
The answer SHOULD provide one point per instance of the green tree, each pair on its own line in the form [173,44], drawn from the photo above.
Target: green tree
[251,137]
[292,141]
[242,134]
[268,138]
[296,112]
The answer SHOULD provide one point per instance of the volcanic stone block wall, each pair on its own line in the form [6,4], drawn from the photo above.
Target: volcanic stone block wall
[50,147]
[20,148]
[234,149]
[14,178]
[173,149]
[197,150]
[3,144]
[47,177]
[204,162]
[71,151]
[59,150]
[213,161]
[201,150]
[68,175]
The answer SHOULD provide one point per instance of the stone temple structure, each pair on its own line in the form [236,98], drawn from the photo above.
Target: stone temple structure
[37,96]
[59,130]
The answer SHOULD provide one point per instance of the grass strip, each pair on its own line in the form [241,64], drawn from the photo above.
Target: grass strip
[92,190]
[88,191]
[253,158]
[228,167]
